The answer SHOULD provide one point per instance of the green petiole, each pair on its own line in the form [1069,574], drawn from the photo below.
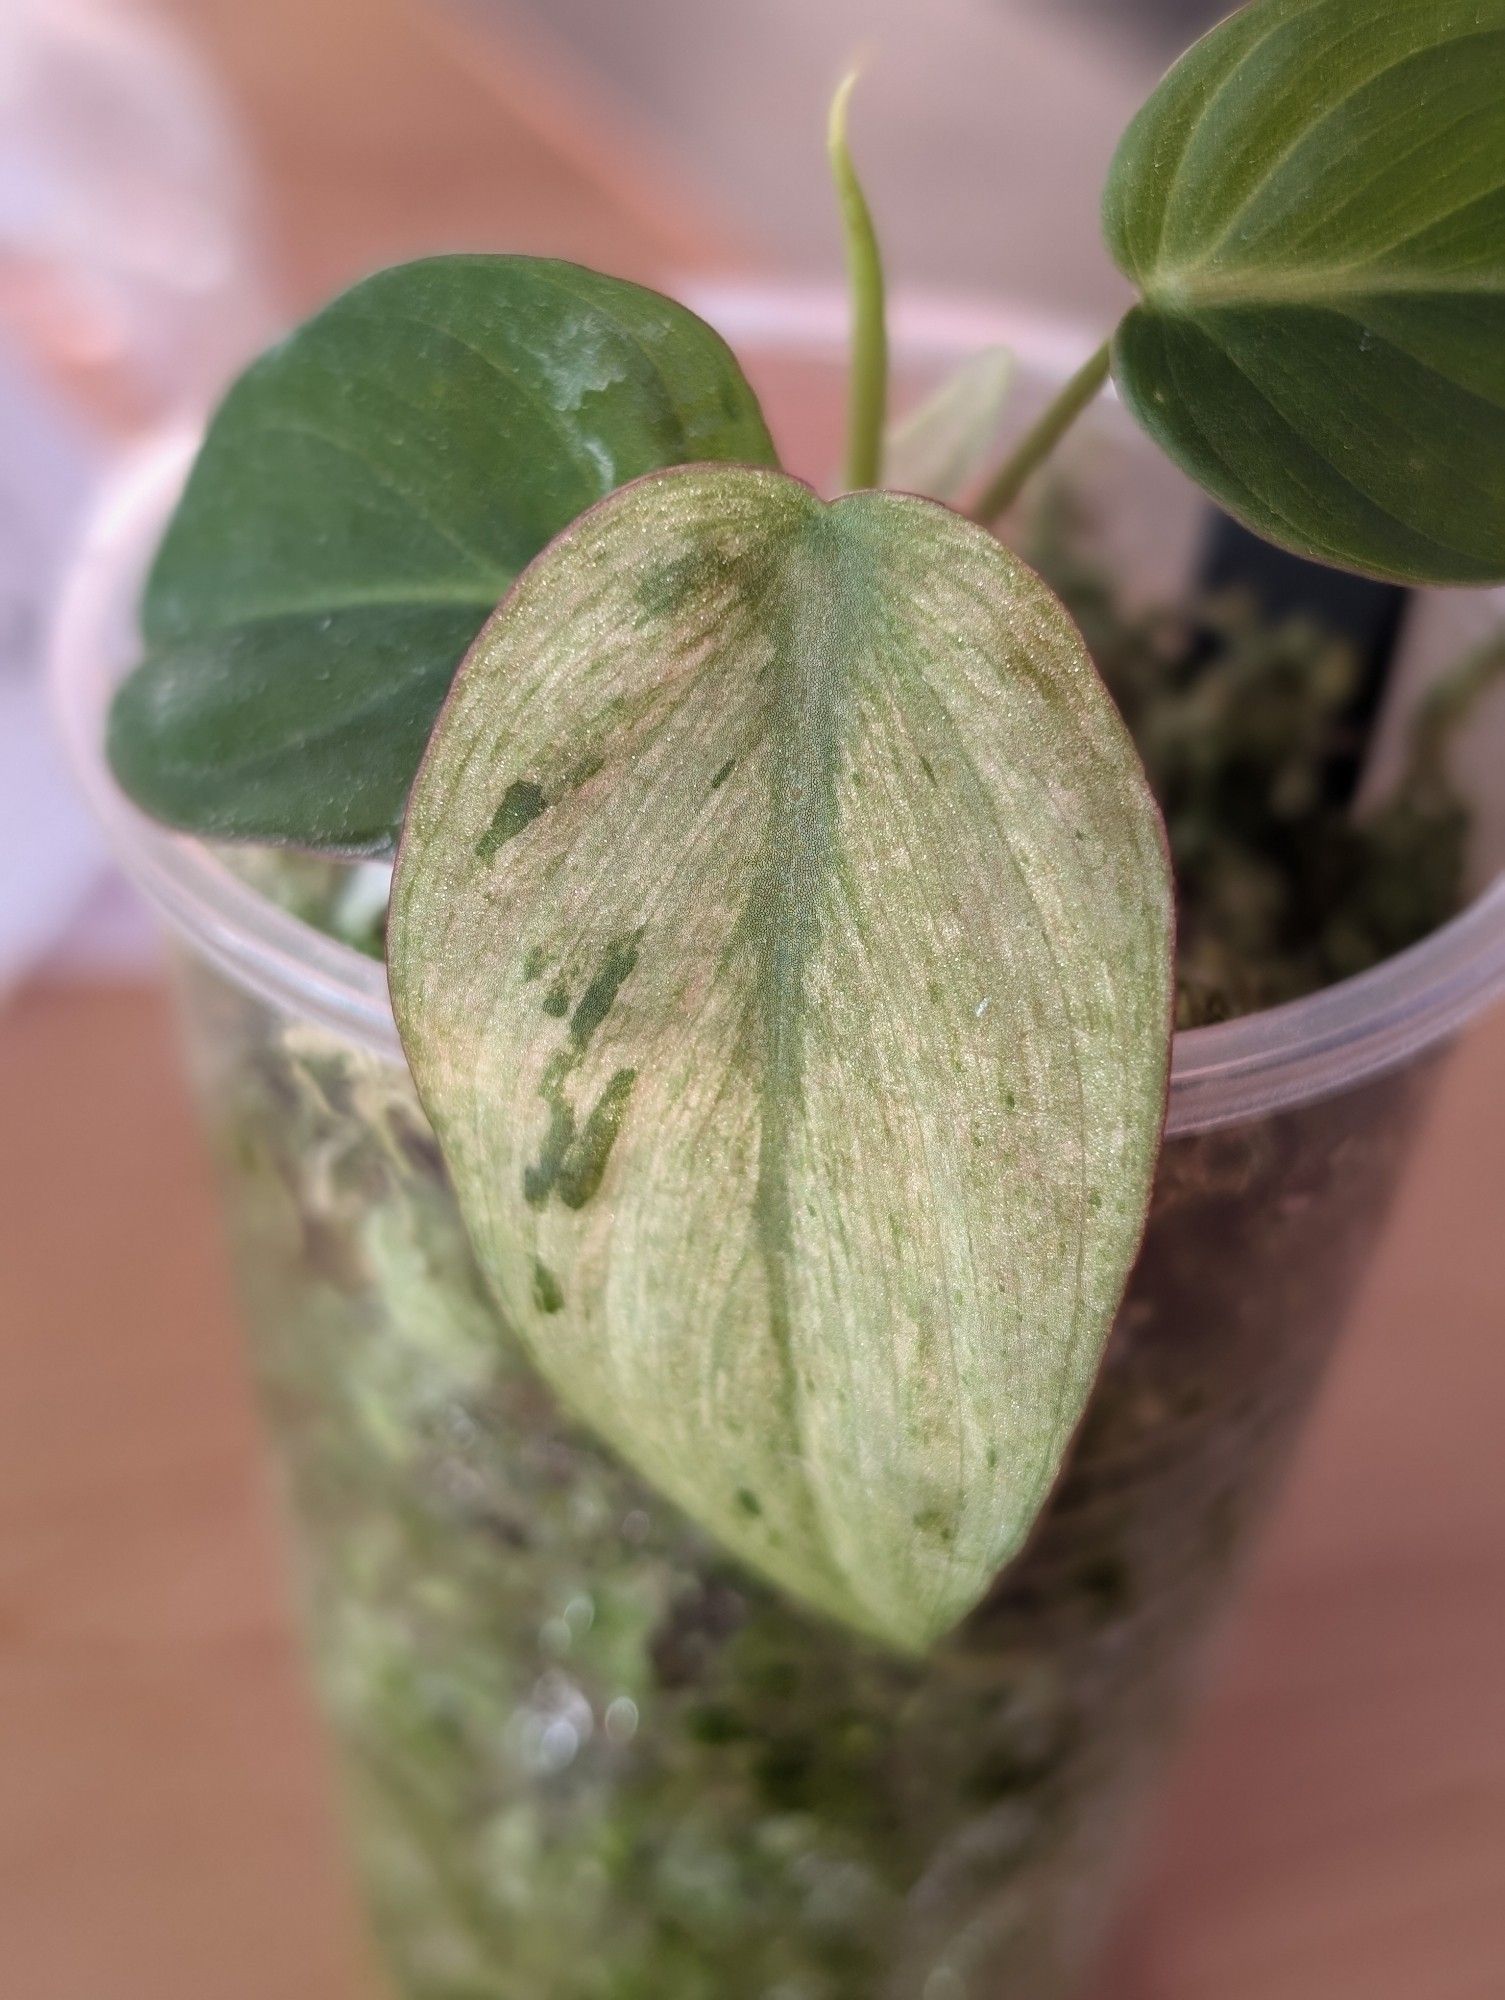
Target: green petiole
[1042,438]
[867,395]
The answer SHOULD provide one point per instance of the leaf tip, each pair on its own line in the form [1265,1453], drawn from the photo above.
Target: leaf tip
[837,119]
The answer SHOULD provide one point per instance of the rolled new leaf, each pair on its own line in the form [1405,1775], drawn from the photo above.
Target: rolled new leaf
[1312,206]
[366,493]
[781,942]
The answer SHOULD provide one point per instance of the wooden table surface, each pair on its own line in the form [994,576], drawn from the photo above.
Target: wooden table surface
[165,1833]
[1338,1831]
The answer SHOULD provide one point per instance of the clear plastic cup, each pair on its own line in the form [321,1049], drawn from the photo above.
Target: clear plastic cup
[588,1758]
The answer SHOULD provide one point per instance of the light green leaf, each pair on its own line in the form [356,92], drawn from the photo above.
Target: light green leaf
[366,493]
[1313,208]
[781,943]
[943,448]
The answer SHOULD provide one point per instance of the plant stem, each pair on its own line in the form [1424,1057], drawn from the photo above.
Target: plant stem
[867,394]
[1041,440]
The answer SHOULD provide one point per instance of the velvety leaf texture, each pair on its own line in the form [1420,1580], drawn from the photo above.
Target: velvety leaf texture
[366,493]
[781,942]
[1313,208]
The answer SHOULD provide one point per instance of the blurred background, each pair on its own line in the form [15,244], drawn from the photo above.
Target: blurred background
[178,180]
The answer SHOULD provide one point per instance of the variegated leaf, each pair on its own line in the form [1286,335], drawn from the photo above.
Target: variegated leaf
[781,942]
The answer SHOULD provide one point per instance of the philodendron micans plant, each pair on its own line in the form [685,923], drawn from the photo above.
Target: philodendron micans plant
[782,928]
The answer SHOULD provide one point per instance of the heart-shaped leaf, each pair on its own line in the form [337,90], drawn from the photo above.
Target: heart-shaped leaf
[943,448]
[781,942]
[1313,208]
[366,493]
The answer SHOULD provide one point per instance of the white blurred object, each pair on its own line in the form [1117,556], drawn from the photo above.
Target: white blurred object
[125,218]
[983,128]
[128,295]
[49,855]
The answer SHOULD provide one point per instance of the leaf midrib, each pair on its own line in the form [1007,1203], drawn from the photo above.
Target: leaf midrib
[804,726]
[1185,293]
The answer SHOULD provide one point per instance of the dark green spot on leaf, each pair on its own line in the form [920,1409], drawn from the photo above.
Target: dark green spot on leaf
[598,999]
[539,1179]
[521,804]
[547,1295]
[584,1163]
[670,586]
[573,1158]
[935,1524]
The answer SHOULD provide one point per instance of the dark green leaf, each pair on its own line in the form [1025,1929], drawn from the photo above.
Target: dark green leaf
[1313,208]
[367,492]
[781,942]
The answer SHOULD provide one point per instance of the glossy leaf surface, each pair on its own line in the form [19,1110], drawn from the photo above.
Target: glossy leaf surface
[781,942]
[1313,208]
[366,493]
